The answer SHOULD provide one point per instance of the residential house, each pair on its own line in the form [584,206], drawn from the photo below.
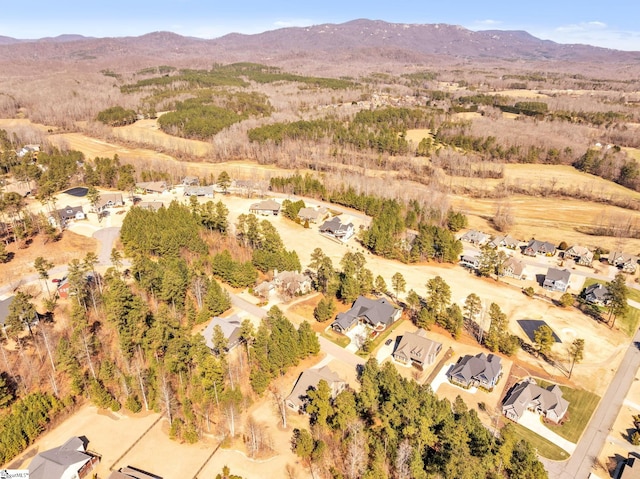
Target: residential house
[195,190]
[129,472]
[580,255]
[309,379]
[376,313]
[557,280]
[312,215]
[417,349]
[109,200]
[266,207]
[334,227]
[69,461]
[624,261]
[480,370]
[5,304]
[468,261]
[475,237]
[504,242]
[231,328]
[65,215]
[28,149]
[265,289]
[152,186]
[513,268]
[64,288]
[528,395]
[190,181]
[597,293]
[535,247]
[150,205]
[630,468]
[292,282]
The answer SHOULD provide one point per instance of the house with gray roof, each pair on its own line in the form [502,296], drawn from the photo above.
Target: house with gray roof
[417,349]
[196,190]
[336,228]
[190,181]
[468,261]
[69,461]
[630,468]
[580,255]
[557,280]
[292,282]
[376,313]
[623,261]
[529,395]
[480,370]
[597,293]
[475,237]
[5,304]
[150,205]
[535,247]
[231,329]
[265,208]
[309,379]
[65,215]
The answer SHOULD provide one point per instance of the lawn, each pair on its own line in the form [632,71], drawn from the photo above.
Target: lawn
[581,406]
[543,447]
[339,339]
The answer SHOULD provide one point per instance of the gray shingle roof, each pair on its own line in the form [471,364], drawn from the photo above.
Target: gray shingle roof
[480,367]
[53,463]
[374,311]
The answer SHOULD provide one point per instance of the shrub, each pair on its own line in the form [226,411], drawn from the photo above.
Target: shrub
[529,291]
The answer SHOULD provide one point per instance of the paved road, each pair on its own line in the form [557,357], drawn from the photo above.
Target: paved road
[107,238]
[595,435]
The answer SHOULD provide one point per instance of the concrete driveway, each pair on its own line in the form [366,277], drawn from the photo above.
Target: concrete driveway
[532,421]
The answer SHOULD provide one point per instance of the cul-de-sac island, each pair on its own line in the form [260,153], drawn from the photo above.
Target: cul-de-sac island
[366,250]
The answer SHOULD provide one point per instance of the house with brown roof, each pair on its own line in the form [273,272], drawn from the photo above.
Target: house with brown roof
[309,379]
[528,395]
[480,370]
[265,208]
[312,215]
[292,282]
[109,200]
[630,468]
[152,186]
[504,242]
[150,205]
[417,349]
[623,261]
[513,268]
[69,461]
[580,255]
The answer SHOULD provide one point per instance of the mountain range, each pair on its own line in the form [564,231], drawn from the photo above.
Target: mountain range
[362,40]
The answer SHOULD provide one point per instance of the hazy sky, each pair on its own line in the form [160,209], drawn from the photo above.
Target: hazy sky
[613,23]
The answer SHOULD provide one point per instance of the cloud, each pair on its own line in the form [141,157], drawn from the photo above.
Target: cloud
[592,33]
[581,27]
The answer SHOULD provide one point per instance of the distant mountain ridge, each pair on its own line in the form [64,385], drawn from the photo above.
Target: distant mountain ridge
[360,39]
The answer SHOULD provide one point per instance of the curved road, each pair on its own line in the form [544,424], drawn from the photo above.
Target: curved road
[592,441]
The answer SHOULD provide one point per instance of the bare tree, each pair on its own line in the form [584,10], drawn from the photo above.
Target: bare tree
[166,397]
[281,406]
[356,456]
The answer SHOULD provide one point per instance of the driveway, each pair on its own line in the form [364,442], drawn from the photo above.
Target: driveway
[107,237]
[532,421]
[355,335]
[441,378]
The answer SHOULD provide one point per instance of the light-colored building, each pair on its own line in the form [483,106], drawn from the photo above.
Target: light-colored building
[265,208]
[529,395]
[480,370]
[417,349]
[69,461]
[309,379]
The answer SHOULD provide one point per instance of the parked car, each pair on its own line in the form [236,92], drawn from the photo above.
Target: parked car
[388,342]
[56,280]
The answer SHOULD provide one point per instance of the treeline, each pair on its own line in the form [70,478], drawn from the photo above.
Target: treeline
[394,427]
[117,116]
[380,130]
[24,422]
[610,163]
